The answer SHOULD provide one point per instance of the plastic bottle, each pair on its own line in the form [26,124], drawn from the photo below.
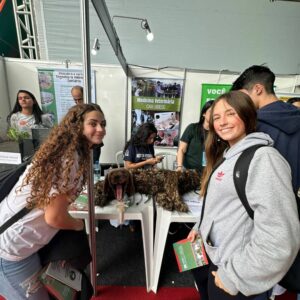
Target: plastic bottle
[97,171]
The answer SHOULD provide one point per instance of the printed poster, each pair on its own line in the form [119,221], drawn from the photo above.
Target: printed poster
[211,91]
[158,101]
[55,88]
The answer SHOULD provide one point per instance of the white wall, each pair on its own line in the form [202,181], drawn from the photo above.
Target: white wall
[112,94]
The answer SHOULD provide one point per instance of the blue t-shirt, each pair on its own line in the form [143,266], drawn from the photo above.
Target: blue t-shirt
[136,154]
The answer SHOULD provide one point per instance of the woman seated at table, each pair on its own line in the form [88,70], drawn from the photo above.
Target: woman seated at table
[139,150]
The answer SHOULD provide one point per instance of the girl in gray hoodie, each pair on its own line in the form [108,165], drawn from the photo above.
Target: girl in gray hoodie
[248,257]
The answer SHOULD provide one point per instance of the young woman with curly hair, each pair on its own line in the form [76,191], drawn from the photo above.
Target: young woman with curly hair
[139,150]
[52,181]
[27,114]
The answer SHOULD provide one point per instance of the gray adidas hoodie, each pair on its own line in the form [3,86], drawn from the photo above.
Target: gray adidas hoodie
[252,255]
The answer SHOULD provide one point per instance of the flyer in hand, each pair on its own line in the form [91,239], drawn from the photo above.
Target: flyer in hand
[190,255]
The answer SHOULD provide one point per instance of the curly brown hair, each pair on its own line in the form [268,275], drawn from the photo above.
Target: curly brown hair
[52,164]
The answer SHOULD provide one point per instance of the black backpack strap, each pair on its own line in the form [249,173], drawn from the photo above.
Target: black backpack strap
[240,175]
[14,219]
[9,178]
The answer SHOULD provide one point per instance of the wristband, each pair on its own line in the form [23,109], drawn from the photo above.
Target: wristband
[179,166]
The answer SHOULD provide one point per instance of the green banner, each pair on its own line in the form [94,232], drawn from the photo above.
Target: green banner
[157,104]
[211,91]
[47,90]
[55,87]
[157,101]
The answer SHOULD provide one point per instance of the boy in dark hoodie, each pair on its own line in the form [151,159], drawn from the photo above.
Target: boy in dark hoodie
[276,118]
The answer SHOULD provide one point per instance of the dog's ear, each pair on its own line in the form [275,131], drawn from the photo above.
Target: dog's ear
[106,184]
[130,190]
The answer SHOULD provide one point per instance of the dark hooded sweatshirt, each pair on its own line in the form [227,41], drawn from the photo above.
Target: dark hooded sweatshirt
[282,122]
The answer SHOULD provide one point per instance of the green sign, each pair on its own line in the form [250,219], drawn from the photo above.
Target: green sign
[212,91]
[55,88]
[47,90]
[156,104]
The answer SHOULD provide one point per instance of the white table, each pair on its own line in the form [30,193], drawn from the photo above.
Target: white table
[163,220]
[143,212]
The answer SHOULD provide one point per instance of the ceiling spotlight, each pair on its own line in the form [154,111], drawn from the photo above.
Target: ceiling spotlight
[144,25]
[96,46]
[150,35]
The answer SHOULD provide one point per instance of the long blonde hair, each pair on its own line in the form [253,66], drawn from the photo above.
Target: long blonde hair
[214,145]
[53,162]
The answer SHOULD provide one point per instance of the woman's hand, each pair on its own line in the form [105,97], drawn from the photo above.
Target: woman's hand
[152,161]
[192,235]
[159,158]
[219,283]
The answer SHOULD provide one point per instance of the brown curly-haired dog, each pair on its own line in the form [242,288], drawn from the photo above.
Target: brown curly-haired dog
[117,183]
[165,186]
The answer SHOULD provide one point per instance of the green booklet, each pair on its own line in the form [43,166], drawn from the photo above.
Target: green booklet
[56,288]
[190,255]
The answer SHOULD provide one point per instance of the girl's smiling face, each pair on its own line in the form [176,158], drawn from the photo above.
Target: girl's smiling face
[227,123]
[94,127]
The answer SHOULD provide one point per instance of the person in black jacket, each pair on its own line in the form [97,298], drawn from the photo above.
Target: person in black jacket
[276,118]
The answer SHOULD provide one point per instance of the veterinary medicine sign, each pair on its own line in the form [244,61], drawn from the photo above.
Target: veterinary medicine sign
[212,91]
[157,101]
[55,88]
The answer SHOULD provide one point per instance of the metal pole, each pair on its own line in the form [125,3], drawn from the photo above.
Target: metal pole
[86,63]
